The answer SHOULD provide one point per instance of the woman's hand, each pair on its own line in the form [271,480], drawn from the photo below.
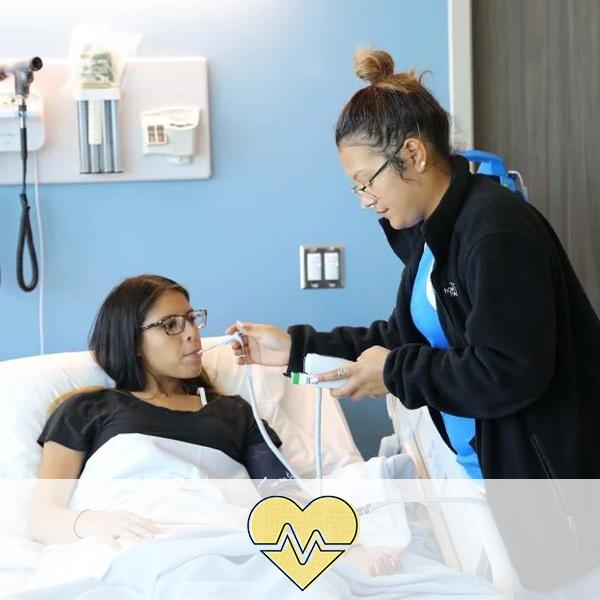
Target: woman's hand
[107,526]
[263,344]
[365,376]
[375,561]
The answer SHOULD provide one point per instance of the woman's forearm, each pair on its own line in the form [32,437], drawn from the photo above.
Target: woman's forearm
[51,524]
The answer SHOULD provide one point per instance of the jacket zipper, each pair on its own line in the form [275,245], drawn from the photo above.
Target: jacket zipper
[545,465]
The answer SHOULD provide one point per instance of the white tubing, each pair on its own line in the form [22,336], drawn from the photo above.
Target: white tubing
[367,508]
[318,454]
[42,255]
[260,424]
[262,429]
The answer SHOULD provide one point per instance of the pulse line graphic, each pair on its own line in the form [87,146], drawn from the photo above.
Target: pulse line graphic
[288,536]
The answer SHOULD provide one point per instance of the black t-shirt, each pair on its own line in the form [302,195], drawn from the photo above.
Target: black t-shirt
[88,420]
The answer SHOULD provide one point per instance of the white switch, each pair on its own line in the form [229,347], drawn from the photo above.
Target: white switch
[314,270]
[332,266]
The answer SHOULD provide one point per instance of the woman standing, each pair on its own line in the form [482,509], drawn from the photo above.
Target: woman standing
[491,331]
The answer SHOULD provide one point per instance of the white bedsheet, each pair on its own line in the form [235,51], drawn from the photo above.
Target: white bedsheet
[205,550]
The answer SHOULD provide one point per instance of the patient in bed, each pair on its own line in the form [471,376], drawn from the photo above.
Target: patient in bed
[146,337]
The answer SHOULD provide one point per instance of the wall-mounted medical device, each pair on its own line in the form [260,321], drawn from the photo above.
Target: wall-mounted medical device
[171,132]
[97,94]
[98,127]
[15,127]
[10,138]
[147,84]
[493,165]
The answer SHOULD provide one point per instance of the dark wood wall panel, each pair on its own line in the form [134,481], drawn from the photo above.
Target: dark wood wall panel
[536,71]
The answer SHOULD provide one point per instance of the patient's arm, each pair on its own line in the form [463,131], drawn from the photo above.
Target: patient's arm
[52,522]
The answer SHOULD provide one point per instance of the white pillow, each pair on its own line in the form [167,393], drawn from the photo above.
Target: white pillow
[27,387]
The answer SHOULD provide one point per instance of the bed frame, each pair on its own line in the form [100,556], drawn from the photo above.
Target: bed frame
[467,535]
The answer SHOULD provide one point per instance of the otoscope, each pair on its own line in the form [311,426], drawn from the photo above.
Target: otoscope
[22,71]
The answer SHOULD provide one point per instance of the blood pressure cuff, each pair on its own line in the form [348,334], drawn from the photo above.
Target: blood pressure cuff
[260,462]
[275,480]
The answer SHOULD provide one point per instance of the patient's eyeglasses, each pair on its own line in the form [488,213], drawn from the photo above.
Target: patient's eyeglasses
[175,324]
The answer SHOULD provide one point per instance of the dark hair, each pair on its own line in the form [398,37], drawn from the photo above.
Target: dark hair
[392,108]
[115,335]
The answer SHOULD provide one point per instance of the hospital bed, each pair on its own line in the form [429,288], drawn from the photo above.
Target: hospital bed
[467,539]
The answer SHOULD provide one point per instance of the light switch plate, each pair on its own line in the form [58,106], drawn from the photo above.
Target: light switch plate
[321,267]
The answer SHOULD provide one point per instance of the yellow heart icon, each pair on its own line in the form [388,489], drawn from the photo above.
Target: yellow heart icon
[303,542]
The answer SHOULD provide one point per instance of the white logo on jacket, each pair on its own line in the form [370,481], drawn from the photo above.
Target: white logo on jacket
[451,290]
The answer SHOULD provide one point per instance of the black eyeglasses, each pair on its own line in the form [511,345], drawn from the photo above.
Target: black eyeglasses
[361,191]
[175,324]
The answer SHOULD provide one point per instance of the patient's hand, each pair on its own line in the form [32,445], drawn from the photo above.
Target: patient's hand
[107,526]
[378,560]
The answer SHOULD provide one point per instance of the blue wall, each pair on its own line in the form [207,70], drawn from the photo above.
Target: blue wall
[279,72]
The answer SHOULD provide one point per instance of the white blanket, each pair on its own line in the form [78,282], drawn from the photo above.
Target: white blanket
[205,550]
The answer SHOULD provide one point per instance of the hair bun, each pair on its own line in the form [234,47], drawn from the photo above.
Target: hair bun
[373,65]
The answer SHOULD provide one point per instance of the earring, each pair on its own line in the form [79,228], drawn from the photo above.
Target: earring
[422,164]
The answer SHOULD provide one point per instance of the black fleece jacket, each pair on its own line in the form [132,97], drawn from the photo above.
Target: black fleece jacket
[524,356]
